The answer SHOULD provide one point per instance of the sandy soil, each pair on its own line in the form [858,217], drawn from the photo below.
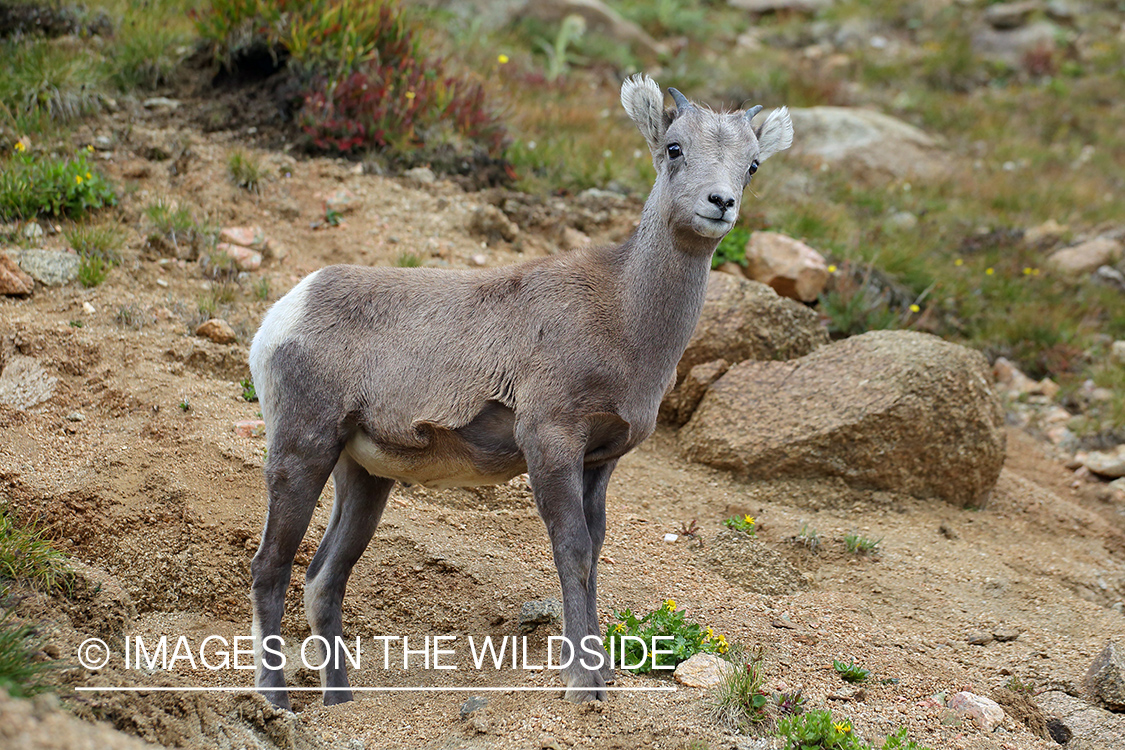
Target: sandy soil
[164,505]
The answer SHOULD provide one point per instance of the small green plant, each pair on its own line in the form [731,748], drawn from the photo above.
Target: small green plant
[185,405]
[246,171]
[861,545]
[1016,685]
[790,703]
[26,557]
[683,639]
[248,392]
[20,673]
[745,524]
[818,730]
[741,701]
[173,223]
[48,186]
[130,316]
[262,288]
[808,538]
[332,217]
[76,324]
[408,260]
[557,52]
[850,672]
[732,248]
[101,240]
[92,269]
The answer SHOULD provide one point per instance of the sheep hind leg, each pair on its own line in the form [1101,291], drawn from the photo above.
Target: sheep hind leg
[294,480]
[595,481]
[360,500]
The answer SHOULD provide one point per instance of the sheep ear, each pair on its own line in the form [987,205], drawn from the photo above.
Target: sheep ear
[644,103]
[776,134]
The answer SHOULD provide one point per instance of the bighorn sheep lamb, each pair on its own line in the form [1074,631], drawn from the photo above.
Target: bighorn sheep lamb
[554,367]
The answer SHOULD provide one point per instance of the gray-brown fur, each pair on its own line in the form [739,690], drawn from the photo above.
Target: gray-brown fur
[554,367]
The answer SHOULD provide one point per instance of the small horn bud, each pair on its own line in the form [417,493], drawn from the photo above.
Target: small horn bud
[681,101]
[753,111]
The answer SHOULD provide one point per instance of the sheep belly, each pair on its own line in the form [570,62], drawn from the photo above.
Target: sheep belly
[429,468]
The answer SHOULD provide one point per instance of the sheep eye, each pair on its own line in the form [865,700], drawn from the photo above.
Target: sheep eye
[753,166]
[674,151]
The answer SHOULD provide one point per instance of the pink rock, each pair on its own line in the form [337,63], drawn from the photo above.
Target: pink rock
[791,267]
[218,330]
[985,712]
[243,257]
[252,237]
[13,280]
[250,428]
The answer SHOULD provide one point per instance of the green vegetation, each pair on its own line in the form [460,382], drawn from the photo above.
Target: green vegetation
[732,248]
[820,730]
[744,524]
[850,672]
[92,270]
[741,701]
[684,639]
[246,171]
[27,558]
[40,185]
[248,392]
[408,260]
[858,544]
[808,538]
[21,674]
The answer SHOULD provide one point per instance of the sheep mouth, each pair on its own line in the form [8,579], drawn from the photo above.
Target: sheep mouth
[711,227]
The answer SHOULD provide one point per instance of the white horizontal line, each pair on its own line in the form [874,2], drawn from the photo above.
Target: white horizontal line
[223,689]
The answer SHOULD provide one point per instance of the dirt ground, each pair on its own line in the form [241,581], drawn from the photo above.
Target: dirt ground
[163,505]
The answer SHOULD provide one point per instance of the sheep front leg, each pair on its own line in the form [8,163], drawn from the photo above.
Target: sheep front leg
[595,482]
[557,483]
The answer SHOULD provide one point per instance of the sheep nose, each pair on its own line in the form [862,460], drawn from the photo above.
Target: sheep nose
[722,202]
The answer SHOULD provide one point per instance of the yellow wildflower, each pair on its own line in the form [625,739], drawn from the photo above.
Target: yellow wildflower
[749,520]
[915,308]
[832,269]
[502,59]
[409,94]
[87,175]
[708,634]
[77,179]
[988,271]
[1026,271]
[90,148]
[843,727]
[958,262]
[1035,272]
[20,146]
[670,605]
[619,627]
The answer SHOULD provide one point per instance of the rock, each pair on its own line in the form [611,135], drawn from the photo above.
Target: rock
[1010,15]
[48,267]
[979,638]
[1046,234]
[893,410]
[678,406]
[984,711]
[251,237]
[342,201]
[869,140]
[24,383]
[902,220]
[161,104]
[1105,679]
[13,279]
[33,233]
[601,18]
[76,416]
[1087,256]
[420,176]
[702,671]
[218,330]
[243,257]
[541,612]
[474,703]
[671,538]
[480,259]
[1061,11]
[848,693]
[1006,634]
[491,223]
[790,267]
[1088,727]
[274,249]
[1012,47]
[1012,379]
[762,7]
[1107,463]
[1111,277]
[250,428]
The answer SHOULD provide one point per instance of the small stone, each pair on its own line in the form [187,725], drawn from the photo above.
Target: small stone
[1009,15]
[902,220]
[948,531]
[984,711]
[103,143]
[1087,256]
[342,201]
[161,104]
[1110,276]
[76,416]
[24,383]
[480,259]
[1006,634]
[670,538]
[474,703]
[250,428]
[1106,463]
[540,612]
[979,638]
[848,693]
[243,257]
[88,308]
[490,222]
[218,330]
[420,175]
[791,267]
[274,249]
[13,279]
[1105,679]
[33,233]
[252,237]
[1117,352]
[48,267]
[1046,234]
[702,671]
[162,283]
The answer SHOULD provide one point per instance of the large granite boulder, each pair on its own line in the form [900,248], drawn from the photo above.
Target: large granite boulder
[892,410]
